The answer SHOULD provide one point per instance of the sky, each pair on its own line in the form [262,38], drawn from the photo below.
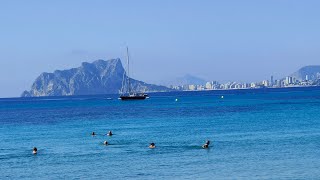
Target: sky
[227,40]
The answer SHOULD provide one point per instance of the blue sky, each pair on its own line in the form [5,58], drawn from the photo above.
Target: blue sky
[228,40]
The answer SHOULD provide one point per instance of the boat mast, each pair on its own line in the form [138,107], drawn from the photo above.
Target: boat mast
[128,70]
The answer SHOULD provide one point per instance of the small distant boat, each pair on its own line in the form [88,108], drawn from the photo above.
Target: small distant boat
[134,97]
[127,92]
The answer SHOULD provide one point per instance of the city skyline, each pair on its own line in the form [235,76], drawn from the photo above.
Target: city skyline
[225,41]
[288,81]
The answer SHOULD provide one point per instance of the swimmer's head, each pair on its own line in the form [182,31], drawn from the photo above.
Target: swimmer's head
[35,150]
[110,133]
[208,142]
[152,145]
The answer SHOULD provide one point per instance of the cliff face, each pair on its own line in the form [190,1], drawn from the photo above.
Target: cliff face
[99,77]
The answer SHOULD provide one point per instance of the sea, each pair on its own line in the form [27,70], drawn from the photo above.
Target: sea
[254,134]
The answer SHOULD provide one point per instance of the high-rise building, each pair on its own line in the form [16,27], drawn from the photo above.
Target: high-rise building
[307,78]
[192,87]
[278,83]
[208,85]
[265,83]
[271,81]
[200,87]
[289,80]
[238,86]
[214,83]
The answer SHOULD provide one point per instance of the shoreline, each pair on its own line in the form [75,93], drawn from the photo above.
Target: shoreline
[174,91]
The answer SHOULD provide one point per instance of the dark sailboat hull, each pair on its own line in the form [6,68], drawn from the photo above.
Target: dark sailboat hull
[132,97]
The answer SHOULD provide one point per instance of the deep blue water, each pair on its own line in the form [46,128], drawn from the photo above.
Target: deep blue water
[255,134]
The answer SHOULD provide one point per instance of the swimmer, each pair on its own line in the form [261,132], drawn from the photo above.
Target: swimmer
[152,146]
[109,133]
[105,143]
[35,150]
[93,134]
[206,145]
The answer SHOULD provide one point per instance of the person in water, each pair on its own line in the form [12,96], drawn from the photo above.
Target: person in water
[105,143]
[206,145]
[35,150]
[152,145]
[93,133]
[110,133]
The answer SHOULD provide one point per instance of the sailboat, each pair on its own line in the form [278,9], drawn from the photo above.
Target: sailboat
[127,92]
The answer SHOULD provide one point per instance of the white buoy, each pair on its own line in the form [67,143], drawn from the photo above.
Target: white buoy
[222,97]
[176,100]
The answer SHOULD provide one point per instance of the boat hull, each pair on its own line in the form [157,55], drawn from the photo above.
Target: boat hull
[132,97]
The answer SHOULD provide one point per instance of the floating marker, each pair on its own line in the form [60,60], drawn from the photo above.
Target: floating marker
[222,97]
[176,100]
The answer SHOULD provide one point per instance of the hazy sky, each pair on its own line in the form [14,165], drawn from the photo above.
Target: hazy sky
[224,40]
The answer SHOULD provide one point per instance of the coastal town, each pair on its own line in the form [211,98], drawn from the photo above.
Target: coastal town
[288,81]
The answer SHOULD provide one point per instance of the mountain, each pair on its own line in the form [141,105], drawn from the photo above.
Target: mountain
[99,77]
[312,71]
[186,80]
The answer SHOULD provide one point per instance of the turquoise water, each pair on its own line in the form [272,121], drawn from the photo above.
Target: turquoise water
[255,134]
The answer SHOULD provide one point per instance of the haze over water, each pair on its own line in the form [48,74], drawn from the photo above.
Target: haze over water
[255,134]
